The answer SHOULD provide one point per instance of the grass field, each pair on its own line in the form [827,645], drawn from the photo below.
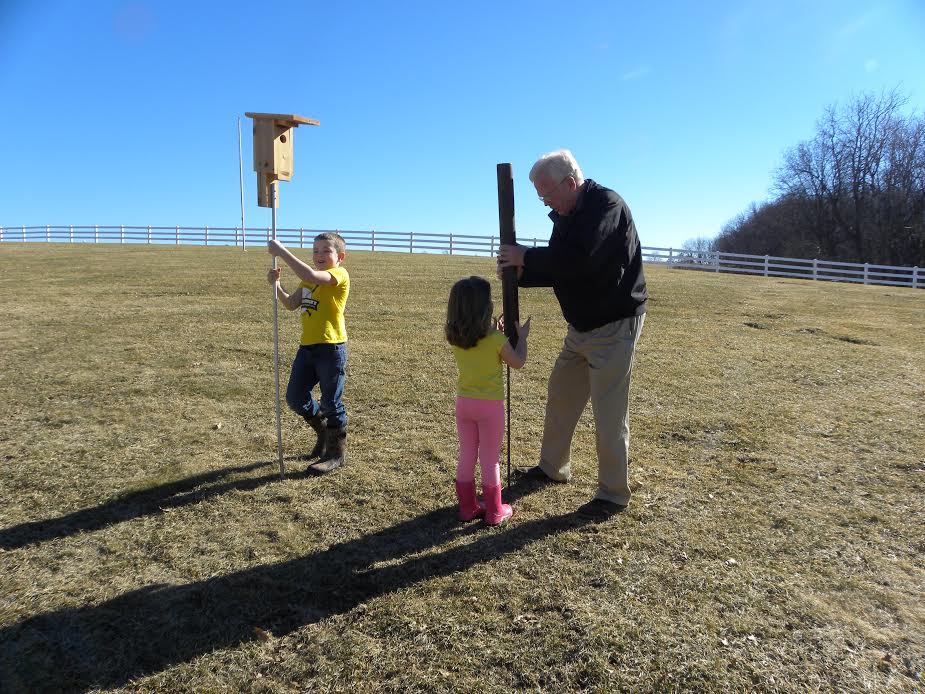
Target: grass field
[774,542]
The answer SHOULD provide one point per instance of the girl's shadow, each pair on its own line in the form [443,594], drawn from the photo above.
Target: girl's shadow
[147,630]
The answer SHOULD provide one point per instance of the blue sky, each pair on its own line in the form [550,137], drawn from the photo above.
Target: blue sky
[126,112]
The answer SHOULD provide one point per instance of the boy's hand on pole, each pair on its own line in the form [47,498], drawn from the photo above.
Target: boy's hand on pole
[275,248]
[273,275]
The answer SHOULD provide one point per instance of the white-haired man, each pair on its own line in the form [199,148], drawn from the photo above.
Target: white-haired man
[594,264]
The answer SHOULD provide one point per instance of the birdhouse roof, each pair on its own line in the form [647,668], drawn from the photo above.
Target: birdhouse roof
[287,119]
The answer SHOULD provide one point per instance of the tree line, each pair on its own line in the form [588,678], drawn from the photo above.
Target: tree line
[855,192]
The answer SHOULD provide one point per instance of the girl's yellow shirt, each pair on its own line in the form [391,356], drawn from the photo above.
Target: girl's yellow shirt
[480,368]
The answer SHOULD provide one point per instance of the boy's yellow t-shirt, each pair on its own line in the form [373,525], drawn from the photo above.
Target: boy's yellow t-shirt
[322,308]
[480,368]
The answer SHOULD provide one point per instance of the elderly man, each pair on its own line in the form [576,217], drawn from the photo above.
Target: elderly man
[594,264]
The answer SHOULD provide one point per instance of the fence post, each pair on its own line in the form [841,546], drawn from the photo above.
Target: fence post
[96,233]
[121,233]
[915,275]
[207,234]
[670,256]
[373,243]
[71,233]
[451,244]
[815,269]
[865,273]
[411,243]
[491,253]
[301,237]
[24,233]
[1,234]
[177,236]
[149,234]
[766,266]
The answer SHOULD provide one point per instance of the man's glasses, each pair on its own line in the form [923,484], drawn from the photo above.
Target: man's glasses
[545,198]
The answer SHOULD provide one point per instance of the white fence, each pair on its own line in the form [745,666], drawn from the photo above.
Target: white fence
[802,268]
[409,242]
[463,244]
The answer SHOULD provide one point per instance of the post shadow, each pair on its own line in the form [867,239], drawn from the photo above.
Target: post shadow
[149,629]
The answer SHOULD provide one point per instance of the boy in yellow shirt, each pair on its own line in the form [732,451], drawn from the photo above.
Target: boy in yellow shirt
[322,357]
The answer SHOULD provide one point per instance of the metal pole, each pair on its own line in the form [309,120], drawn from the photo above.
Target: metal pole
[241,168]
[279,425]
[508,392]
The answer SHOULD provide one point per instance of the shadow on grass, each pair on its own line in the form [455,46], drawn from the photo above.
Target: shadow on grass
[146,502]
[153,628]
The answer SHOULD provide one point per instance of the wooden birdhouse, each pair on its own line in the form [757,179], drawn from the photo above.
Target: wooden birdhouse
[273,150]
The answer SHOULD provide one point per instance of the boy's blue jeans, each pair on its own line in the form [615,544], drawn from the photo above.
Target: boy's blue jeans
[323,365]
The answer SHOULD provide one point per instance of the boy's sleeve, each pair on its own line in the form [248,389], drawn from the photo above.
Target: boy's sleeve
[339,274]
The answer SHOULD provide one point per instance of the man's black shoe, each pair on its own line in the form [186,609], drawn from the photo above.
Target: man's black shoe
[600,509]
[532,474]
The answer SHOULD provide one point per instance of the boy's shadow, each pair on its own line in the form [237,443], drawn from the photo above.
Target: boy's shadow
[155,627]
[126,507]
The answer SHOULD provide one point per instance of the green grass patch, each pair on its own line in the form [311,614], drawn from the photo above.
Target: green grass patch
[774,541]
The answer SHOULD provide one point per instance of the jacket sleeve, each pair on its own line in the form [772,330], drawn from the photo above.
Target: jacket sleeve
[585,250]
[533,276]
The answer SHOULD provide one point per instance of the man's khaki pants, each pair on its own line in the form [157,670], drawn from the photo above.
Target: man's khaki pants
[595,365]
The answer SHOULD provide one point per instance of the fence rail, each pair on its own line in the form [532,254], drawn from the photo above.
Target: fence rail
[801,268]
[465,244]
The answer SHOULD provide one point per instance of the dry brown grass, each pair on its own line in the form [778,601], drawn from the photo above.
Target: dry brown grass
[775,541]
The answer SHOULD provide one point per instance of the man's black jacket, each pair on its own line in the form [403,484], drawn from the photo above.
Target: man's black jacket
[593,261]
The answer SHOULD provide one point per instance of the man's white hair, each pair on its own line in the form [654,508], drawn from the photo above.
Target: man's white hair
[557,166]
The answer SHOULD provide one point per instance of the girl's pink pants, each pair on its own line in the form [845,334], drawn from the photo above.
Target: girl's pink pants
[480,426]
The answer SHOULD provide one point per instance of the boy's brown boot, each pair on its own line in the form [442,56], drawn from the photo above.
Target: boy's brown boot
[335,451]
[320,426]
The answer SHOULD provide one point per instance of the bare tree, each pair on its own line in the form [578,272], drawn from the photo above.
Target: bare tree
[855,191]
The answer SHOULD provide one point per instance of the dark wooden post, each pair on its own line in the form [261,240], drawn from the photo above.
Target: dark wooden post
[509,237]
[511,305]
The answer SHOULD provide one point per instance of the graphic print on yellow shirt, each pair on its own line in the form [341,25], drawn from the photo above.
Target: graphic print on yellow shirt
[480,368]
[322,309]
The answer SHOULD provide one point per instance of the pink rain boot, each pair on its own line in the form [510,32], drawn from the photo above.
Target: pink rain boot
[469,506]
[495,511]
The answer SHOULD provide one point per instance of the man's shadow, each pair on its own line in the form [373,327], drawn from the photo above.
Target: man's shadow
[155,627]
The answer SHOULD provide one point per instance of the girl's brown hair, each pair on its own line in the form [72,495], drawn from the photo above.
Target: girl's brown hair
[468,312]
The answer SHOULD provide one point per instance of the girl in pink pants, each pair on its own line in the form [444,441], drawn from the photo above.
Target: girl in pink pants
[479,349]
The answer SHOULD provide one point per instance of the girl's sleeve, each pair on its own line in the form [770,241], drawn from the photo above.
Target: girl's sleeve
[500,341]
